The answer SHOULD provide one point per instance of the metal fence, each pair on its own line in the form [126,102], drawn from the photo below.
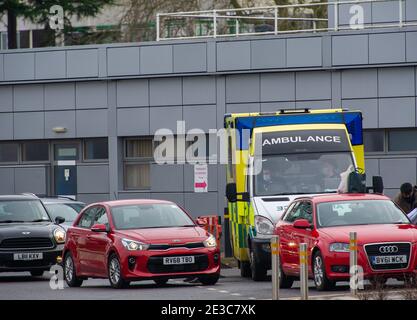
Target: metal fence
[295,18]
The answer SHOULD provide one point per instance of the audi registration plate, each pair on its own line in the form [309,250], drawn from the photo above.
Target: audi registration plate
[399,259]
[27,256]
[178,260]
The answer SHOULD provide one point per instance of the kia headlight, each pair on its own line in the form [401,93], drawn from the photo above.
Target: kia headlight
[339,247]
[210,242]
[263,225]
[59,235]
[133,245]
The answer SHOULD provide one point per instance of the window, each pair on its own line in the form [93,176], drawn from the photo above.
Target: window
[101,217]
[402,140]
[9,152]
[373,140]
[66,152]
[138,156]
[35,151]
[303,210]
[96,149]
[87,219]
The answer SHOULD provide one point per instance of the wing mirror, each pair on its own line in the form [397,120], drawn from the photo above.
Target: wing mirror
[302,224]
[59,220]
[232,194]
[201,222]
[99,228]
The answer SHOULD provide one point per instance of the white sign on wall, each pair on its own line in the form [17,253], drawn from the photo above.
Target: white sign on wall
[200,177]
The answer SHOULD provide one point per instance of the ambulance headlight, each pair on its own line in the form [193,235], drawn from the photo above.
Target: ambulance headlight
[263,225]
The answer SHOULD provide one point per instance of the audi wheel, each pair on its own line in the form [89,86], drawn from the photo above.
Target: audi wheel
[320,277]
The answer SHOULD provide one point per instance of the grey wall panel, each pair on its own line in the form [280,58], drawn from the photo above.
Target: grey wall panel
[7,180]
[133,195]
[243,107]
[200,204]
[91,123]
[233,55]
[123,61]
[396,82]
[156,59]
[278,86]
[276,106]
[29,125]
[372,169]
[19,66]
[164,118]
[345,15]
[242,88]
[201,117]
[314,104]
[199,90]
[411,38]
[1,67]
[397,171]
[6,126]
[304,52]
[82,63]
[28,97]
[313,85]
[391,193]
[387,48]
[190,57]
[268,53]
[6,98]
[64,119]
[167,178]
[410,10]
[31,179]
[349,50]
[50,65]
[59,96]
[165,91]
[89,198]
[91,94]
[189,178]
[369,108]
[177,198]
[386,12]
[133,121]
[397,112]
[93,179]
[133,93]
[360,83]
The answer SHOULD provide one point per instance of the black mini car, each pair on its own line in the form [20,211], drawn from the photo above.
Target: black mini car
[29,239]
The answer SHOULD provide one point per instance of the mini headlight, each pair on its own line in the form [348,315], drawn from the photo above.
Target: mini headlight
[133,245]
[263,225]
[339,247]
[210,242]
[59,235]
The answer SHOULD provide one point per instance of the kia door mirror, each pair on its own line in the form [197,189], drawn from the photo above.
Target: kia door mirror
[302,224]
[59,220]
[201,222]
[99,228]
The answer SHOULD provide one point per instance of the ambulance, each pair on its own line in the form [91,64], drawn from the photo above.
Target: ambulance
[275,157]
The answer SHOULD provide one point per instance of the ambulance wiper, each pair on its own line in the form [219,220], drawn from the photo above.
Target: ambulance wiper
[290,193]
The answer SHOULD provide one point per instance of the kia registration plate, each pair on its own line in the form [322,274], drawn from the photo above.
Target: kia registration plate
[399,259]
[178,260]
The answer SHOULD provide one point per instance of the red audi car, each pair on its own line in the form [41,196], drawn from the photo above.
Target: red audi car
[131,240]
[387,241]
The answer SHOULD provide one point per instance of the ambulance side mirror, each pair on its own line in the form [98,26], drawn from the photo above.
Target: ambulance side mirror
[231,193]
[377,184]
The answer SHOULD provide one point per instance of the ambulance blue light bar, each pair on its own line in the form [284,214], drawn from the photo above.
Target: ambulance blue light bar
[352,120]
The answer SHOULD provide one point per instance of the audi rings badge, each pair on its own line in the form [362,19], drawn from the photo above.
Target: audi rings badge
[388,249]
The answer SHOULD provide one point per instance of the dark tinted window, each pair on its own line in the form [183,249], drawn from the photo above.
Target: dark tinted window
[96,149]
[404,140]
[9,152]
[35,151]
[373,140]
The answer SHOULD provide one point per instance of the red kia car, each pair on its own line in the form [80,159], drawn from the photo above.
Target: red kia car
[130,240]
[387,241]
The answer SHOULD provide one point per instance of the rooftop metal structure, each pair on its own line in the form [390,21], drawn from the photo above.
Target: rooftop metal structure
[296,18]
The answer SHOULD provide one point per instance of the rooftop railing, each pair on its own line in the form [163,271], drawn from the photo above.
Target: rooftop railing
[295,18]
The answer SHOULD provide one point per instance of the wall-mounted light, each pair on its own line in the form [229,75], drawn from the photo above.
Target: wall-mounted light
[59,129]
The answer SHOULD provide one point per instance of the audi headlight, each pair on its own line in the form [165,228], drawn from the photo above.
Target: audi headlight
[339,247]
[263,225]
[210,242]
[59,235]
[133,245]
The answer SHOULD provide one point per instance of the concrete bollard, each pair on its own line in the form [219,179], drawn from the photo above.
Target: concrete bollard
[353,261]
[304,271]
[276,273]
